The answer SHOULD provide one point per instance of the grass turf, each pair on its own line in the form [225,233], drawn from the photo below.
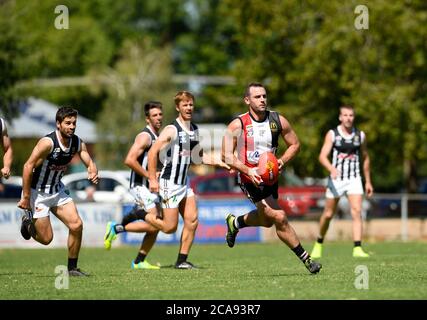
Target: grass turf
[248,271]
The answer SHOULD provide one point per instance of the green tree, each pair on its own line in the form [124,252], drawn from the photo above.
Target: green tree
[313,59]
[142,73]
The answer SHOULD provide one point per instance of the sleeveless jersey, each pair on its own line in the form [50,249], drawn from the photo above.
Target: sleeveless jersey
[136,179]
[47,176]
[256,138]
[179,154]
[346,153]
[2,126]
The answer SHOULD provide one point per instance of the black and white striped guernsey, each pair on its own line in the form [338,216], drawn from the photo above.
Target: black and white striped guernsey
[180,154]
[346,153]
[47,176]
[135,178]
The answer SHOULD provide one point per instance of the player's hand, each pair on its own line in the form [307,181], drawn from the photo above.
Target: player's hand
[154,185]
[281,164]
[24,204]
[92,176]
[224,166]
[5,172]
[335,173]
[369,189]
[254,176]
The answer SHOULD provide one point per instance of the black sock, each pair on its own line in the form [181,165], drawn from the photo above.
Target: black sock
[319,240]
[240,222]
[141,214]
[119,228]
[181,258]
[140,258]
[135,214]
[357,243]
[130,217]
[301,253]
[72,263]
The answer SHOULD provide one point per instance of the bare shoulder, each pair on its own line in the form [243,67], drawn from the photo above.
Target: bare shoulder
[45,143]
[235,124]
[286,126]
[168,133]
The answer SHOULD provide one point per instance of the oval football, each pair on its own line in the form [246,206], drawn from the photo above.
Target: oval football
[268,168]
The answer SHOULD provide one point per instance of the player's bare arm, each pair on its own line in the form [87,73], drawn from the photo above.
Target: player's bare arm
[92,170]
[366,169]
[8,154]
[324,155]
[229,144]
[165,137]
[210,160]
[291,140]
[39,154]
[142,142]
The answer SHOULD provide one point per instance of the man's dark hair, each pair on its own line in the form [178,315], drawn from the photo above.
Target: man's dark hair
[65,112]
[250,85]
[151,105]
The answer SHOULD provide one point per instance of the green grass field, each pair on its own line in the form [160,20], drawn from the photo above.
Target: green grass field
[248,271]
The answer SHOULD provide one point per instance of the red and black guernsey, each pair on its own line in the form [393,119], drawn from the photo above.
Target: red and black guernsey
[47,176]
[135,178]
[256,138]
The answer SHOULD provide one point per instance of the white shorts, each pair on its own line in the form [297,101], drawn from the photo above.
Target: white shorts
[42,202]
[172,194]
[337,188]
[144,198]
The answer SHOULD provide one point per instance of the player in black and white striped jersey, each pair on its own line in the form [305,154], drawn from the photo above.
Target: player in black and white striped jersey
[178,146]
[43,191]
[349,147]
[145,201]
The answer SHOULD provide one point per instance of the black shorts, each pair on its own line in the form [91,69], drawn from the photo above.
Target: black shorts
[256,194]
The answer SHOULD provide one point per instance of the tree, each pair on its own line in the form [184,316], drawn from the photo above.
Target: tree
[313,60]
[142,73]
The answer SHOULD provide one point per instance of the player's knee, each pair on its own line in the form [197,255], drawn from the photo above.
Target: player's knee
[170,229]
[328,215]
[281,218]
[76,226]
[45,240]
[192,225]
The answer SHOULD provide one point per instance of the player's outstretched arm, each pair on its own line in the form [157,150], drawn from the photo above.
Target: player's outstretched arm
[92,170]
[8,154]
[324,154]
[142,142]
[291,140]
[369,189]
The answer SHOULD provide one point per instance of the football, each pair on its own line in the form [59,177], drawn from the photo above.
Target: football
[268,168]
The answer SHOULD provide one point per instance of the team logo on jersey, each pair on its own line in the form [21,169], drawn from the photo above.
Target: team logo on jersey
[338,141]
[356,141]
[252,156]
[273,126]
[249,130]
[55,153]
[182,137]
